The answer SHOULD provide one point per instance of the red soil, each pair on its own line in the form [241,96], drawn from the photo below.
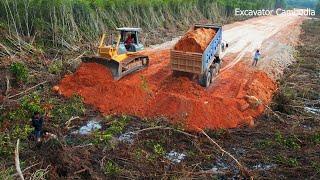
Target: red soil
[154,92]
[196,40]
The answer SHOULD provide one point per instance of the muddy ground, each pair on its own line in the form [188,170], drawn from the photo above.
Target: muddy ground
[281,143]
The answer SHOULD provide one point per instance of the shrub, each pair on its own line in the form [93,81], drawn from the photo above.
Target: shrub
[64,111]
[115,128]
[111,168]
[32,103]
[56,67]
[19,71]
[158,149]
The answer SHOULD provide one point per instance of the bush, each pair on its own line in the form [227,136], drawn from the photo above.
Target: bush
[111,168]
[64,111]
[28,106]
[115,128]
[32,103]
[56,67]
[19,71]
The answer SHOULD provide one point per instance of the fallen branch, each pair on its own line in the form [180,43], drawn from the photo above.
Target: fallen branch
[5,48]
[25,91]
[33,165]
[8,85]
[240,166]
[80,171]
[75,59]
[81,146]
[165,128]
[68,123]
[17,161]
[274,113]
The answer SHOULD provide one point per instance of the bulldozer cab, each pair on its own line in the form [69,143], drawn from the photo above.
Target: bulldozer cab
[129,40]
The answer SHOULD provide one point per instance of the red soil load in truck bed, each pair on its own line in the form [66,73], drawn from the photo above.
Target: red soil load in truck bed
[195,40]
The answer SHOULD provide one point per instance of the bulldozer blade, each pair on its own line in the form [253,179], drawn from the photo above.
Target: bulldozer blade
[119,70]
[109,63]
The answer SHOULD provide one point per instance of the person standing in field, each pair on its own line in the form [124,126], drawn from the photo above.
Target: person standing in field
[37,123]
[256,58]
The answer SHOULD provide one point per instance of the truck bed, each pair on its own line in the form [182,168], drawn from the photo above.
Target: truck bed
[196,63]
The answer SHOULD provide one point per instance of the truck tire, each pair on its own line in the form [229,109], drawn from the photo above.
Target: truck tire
[213,72]
[208,79]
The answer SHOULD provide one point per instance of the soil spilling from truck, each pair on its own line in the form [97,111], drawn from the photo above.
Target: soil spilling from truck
[196,40]
[155,92]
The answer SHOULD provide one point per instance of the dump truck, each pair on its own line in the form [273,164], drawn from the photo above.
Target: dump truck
[120,55]
[207,64]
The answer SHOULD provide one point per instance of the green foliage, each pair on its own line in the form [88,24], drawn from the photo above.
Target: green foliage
[156,148]
[111,168]
[159,150]
[32,103]
[289,142]
[293,162]
[19,71]
[265,143]
[21,132]
[115,128]
[316,138]
[7,173]
[6,147]
[302,4]
[28,105]
[283,99]
[67,22]
[56,67]
[74,106]
[7,140]
[281,4]
[316,166]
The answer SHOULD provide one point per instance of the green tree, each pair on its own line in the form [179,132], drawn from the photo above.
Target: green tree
[280,4]
[318,8]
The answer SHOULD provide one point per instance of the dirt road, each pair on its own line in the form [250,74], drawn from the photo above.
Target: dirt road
[154,92]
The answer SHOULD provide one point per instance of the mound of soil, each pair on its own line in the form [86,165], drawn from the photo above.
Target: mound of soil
[195,41]
[155,92]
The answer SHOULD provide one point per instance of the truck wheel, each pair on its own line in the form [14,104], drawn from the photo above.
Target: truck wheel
[208,79]
[213,73]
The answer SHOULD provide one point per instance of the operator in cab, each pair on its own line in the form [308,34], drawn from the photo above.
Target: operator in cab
[129,42]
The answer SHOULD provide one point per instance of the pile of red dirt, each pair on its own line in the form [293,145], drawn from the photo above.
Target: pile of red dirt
[195,41]
[155,92]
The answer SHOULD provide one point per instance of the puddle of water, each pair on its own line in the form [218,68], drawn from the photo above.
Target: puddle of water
[312,110]
[88,128]
[175,157]
[261,166]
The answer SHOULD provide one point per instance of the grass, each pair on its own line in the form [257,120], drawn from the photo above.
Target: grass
[111,168]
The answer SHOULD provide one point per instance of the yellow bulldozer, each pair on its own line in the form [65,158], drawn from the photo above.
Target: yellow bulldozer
[122,56]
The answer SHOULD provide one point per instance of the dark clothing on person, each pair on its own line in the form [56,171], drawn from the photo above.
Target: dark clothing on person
[37,123]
